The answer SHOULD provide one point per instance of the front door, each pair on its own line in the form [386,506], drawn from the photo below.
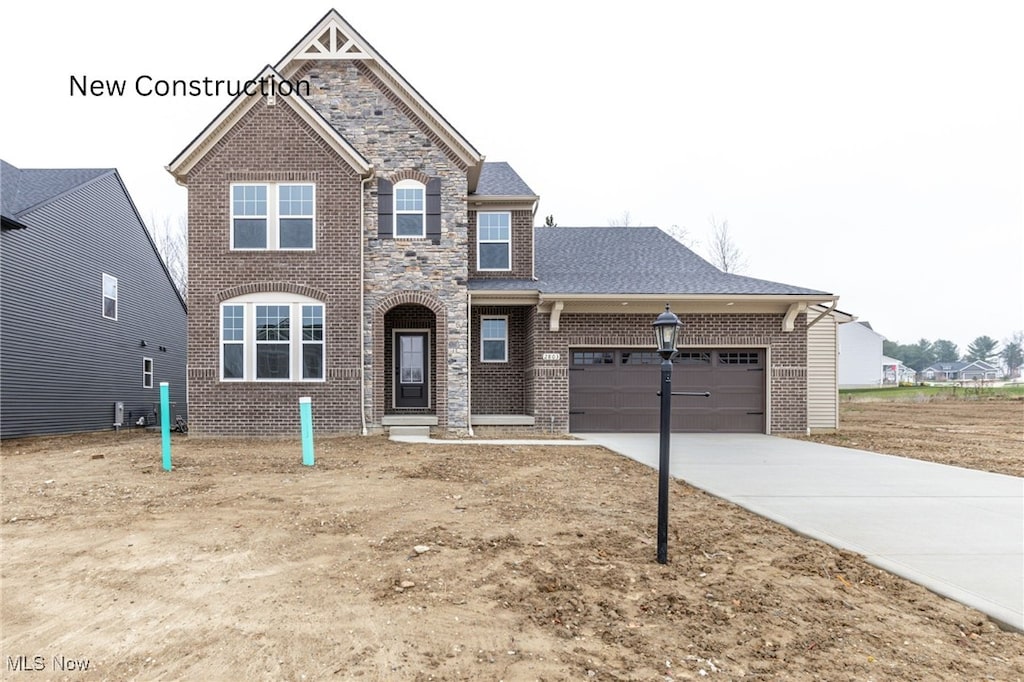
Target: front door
[411,369]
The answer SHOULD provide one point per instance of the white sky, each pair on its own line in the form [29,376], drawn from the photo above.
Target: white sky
[869,149]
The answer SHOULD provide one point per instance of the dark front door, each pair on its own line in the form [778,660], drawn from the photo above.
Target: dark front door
[411,369]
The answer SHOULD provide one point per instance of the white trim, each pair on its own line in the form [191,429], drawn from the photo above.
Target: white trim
[422,212]
[507,242]
[146,374]
[396,366]
[484,338]
[249,342]
[272,216]
[103,296]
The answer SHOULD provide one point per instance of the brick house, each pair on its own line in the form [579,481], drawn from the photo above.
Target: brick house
[347,243]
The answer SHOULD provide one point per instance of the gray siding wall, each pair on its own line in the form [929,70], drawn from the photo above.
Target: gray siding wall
[63,364]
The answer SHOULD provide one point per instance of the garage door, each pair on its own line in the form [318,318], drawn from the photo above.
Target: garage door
[616,390]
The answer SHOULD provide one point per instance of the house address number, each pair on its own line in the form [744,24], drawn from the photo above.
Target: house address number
[552,356]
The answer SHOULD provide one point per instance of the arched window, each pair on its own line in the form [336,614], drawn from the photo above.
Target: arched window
[272,337]
[410,209]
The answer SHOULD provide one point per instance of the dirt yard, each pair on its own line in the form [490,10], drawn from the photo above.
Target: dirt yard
[398,562]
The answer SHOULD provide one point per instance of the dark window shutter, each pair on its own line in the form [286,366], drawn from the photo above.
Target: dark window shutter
[433,195]
[385,209]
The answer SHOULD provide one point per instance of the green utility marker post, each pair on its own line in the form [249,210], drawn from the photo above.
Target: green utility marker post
[306,417]
[165,422]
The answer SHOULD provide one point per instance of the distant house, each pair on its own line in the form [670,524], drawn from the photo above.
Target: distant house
[894,372]
[976,370]
[90,316]
[860,356]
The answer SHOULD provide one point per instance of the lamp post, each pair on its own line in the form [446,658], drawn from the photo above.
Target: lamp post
[666,329]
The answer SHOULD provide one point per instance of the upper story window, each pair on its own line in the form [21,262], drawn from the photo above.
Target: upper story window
[109,297]
[494,241]
[272,337]
[272,216]
[147,372]
[410,213]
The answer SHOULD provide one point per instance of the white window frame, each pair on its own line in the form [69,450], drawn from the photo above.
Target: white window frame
[113,296]
[296,342]
[480,240]
[147,375]
[421,211]
[273,216]
[484,338]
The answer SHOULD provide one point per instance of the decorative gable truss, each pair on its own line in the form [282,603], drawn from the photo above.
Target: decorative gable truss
[333,43]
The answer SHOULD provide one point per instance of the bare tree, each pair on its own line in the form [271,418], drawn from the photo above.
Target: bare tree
[682,235]
[723,252]
[172,242]
[624,220]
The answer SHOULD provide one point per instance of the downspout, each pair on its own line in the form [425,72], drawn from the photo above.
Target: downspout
[362,289]
[469,361]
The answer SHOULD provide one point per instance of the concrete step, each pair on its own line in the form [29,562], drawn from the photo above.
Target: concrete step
[409,431]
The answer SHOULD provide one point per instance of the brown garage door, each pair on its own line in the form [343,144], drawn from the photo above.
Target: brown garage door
[616,390]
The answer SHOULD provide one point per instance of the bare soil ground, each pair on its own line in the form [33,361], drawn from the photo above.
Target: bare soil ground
[388,561]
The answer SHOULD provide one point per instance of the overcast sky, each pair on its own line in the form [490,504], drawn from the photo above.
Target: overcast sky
[869,149]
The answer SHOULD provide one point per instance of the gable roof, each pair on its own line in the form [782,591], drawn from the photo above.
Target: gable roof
[334,39]
[961,365]
[631,261]
[498,179]
[25,190]
[242,103]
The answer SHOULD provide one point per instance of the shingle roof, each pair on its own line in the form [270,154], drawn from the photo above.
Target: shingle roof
[24,189]
[498,179]
[628,260]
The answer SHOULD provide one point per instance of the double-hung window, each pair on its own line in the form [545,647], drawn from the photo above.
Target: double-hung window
[272,337]
[109,297]
[147,372]
[410,210]
[493,241]
[269,216]
[494,339]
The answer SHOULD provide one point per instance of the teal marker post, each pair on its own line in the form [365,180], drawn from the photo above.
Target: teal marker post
[165,422]
[306,417]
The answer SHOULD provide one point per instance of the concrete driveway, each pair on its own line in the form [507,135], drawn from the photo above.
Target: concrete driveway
[958,532]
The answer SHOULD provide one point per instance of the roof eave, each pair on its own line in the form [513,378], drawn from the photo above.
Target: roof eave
[233,112]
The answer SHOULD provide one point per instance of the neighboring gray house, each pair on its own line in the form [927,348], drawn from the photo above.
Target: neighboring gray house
[90,316]
[976,370]
[860,356]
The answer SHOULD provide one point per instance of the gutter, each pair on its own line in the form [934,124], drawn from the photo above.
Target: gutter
[362,296]
[469,361]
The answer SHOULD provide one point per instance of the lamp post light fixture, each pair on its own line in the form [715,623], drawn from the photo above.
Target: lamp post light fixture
[666,329]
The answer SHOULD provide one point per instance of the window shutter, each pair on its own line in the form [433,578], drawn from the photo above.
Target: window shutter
[433,196]
[385,209]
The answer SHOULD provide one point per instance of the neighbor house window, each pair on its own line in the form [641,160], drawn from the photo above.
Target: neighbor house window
[147,372]
[259,341]
[494,339]
[410,209]
[494,241]
[109,297]
[272,216]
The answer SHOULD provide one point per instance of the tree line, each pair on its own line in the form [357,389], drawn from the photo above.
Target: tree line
[925,353]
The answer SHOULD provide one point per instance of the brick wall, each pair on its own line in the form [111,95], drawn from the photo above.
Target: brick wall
[271,144]
[522,248]
[499,387]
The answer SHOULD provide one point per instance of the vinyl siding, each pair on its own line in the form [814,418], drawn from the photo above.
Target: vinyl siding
[822,388]
[63,364]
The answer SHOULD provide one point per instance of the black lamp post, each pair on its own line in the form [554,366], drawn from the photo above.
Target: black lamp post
[666,329]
